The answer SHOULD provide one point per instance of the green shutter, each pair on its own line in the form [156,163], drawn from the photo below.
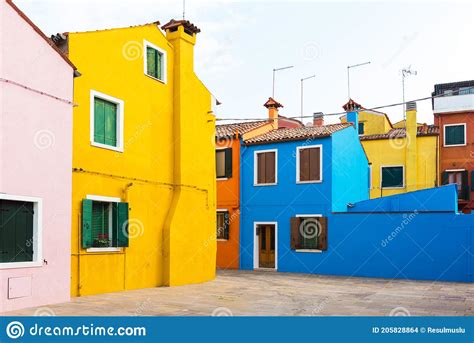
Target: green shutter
[99,121]
[111,124]
[226,225]
[392,177]
[120,211]
[472,180]
[158,65]
[86,223]
[444,178]
[466,192]
[454,135]
[228,162]
[151,61]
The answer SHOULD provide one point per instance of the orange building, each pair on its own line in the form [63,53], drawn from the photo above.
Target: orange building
[228,139]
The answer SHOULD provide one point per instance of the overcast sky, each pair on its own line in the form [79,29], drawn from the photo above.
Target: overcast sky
[242,41]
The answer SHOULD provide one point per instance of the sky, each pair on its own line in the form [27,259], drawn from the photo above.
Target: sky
[243,41]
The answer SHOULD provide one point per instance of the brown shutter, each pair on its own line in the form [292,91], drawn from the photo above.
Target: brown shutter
[323,236]
[295,232]
[315,164]
[261,168]
[304,165]
[269,167]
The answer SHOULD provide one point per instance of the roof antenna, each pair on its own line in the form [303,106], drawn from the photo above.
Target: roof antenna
[184,8]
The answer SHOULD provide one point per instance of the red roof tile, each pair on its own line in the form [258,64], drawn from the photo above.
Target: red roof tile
[296,134]
[229,130]
[188,26]
[272,103]
[423,130]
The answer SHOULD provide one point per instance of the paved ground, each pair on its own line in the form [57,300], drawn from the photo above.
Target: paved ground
[277,294]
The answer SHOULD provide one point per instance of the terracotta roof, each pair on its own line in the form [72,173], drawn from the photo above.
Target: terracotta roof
[423,130]
[272,103]
[189,27]
[229,130]
[40,33]
[352,105]
[296,134]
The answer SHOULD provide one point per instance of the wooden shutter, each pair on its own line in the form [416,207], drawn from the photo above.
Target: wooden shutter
[261,165]
[323,235]
[228,162]
[304,165]
[295,233]
[99,121]
[226,225]
[444,178]
[121,238]
[270,168]
[87,223]
[314,164]
[110,124]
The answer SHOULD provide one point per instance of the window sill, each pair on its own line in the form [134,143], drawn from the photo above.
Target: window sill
[156,79]
[453,145]
[14,265]
[222,240]
[385,188]
[111,249]
[108,147]
[315,251]
[222,178]
[264,184]
[305,182]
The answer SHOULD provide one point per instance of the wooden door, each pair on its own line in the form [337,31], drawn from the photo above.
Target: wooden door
[266,256]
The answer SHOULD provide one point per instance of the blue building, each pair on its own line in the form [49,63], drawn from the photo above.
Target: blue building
[292,180]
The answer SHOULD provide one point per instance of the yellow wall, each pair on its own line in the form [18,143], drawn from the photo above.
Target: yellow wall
[164,172]
[374,122]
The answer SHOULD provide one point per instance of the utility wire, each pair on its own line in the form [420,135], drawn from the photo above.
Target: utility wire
[360,110]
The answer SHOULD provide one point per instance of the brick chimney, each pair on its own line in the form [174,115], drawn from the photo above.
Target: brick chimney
[273,107]
[318,119]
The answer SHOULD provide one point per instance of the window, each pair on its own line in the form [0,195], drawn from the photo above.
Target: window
[466,90]
[454,134]
[155,62]
[309,162]
[361,128]
[104,224]
[106,121]
[393,177]
[16,231]
[460,179]
[224,163]
[265,167]
[223,224]
[309,233]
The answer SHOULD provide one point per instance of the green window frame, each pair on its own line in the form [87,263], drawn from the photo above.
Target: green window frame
[224,163]
[392,176]
[155,62]
[361,128]
[223,225]
[104,224]
[105,122]
[455,134]
[16,231]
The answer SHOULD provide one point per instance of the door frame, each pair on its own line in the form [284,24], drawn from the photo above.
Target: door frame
[256,244]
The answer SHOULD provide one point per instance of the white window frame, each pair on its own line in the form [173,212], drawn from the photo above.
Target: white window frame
[256,245]
[163,61]
[298,150]
[370,178]
[37,232]
[317,251]
[391,166]
[444,135]
[109,200]
[255,167]
[223,210]
[217,177]
[120,120]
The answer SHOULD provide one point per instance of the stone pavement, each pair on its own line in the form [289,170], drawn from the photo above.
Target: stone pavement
[262,293]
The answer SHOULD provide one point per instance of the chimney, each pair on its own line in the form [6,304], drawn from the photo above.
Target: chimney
[353,118]
[411,128]
[318,119]
[273,107]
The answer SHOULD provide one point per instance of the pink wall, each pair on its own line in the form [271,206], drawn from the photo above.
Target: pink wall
[35,155]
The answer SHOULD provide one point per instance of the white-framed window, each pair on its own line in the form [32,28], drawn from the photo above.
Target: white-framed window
[266,167]
[21,231]
[308,233]
[454,134]
[223,225]
[392,177]
[154,61]
[106,121]
[309,164]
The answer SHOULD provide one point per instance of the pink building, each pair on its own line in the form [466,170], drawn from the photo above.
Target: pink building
[36,87]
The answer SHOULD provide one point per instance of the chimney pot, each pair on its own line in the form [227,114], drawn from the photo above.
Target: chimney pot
[411,106]
[318,119]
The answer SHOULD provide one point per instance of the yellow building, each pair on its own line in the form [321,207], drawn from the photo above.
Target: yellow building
[144,199]
[402,156]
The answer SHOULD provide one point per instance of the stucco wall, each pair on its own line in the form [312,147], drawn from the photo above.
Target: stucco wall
[35,143]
